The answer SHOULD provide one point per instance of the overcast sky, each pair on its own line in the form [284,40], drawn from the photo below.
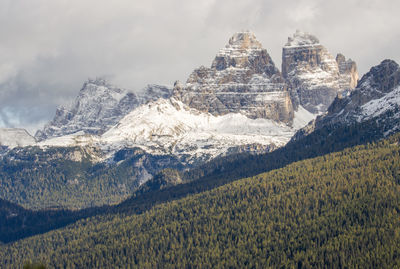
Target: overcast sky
[48,48]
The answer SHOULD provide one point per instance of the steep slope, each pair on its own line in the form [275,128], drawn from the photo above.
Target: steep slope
[339,210]
[98,106]
[169,127]
[242,79]
[15,137]
[313,75]
[376,98]
[173,184]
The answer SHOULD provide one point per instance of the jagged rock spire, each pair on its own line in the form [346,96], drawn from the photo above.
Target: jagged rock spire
[313,75]
[242,79]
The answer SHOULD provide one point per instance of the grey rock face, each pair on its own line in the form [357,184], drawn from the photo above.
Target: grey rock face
[377,96]
[380,81]
[242,79]
[314,77]
[98,106]
[348,72]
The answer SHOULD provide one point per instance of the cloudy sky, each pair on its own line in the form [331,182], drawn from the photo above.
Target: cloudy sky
[48,48]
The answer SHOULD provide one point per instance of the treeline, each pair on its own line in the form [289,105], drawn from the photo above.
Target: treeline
[340,210]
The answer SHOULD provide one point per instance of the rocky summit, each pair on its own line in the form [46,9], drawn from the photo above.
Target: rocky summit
[98,106]
[242,102]
[313,75]
[242,79]
[377,93]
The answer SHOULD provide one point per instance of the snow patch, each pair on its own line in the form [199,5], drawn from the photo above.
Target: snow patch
[379,106]
[15,137]
[167,126]
[302,117]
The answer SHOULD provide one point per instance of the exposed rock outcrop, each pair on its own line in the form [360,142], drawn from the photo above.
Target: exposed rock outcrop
[242,79]
[98,106]
[313,75]
[377,97]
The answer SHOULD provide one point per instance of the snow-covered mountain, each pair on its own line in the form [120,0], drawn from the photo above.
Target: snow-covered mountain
[377,98]
[15,137]
[313,75]
[98,106]
[241,103]
[169,127]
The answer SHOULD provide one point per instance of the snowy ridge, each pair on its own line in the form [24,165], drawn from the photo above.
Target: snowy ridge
[241,44]
[170,127]
[15,137]
[377,107]
[98,106]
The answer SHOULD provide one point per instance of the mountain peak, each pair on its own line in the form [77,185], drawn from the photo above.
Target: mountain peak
[383,77]
[244,51]
[314,76]
[98,106]
[244,40]
[241,48]
[302,39]
[242,79]
[386,67]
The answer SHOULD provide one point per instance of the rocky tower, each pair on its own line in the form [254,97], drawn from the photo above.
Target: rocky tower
[348,72]
[242,79]
[313,75]
[377,92]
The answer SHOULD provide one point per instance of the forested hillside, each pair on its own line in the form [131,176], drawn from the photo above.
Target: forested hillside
[72,178]
[163,187]
[337,210]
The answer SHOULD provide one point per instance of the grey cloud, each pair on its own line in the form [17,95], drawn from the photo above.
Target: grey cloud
[49,48]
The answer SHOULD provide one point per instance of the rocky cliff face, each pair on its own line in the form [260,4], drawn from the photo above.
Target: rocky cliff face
[348,72]
[313,75]
[377,92]
[242,79]
[97,108]
[377,97]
